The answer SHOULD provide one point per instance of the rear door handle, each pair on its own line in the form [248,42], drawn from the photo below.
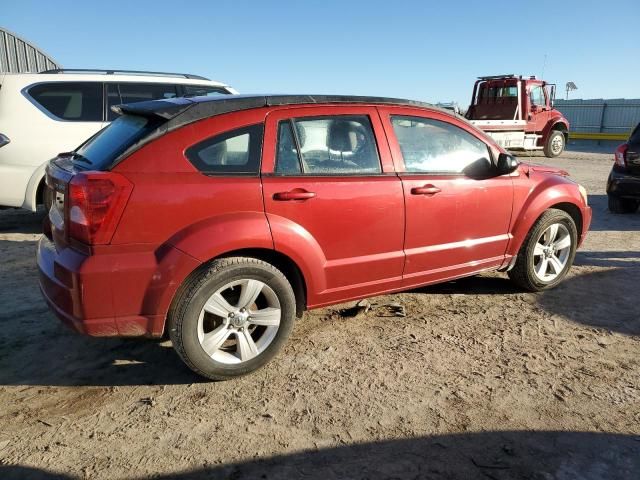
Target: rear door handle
[425,190]
[296,194]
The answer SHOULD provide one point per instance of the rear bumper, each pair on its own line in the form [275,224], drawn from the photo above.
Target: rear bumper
[111,295]
[624,185]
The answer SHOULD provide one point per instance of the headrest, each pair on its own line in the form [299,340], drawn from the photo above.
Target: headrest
[345,135]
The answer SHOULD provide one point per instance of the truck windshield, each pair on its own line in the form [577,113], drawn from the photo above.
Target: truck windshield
[99,152]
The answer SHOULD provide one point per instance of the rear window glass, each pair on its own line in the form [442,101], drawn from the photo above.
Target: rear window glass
[74,101]
[635,136]
[99,152]
[232,153]
[487,92]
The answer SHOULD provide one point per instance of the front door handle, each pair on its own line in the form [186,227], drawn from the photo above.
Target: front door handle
[296,194]
[425,190]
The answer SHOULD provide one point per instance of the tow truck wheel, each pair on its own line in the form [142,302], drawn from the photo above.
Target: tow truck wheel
[555,144]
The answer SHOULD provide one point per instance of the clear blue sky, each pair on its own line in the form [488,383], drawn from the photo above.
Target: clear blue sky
[412,49]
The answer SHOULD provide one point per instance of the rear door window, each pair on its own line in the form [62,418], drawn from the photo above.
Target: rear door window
[71,101]
[337,145]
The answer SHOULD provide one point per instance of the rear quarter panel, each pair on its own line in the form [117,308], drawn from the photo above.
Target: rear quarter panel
[173,206]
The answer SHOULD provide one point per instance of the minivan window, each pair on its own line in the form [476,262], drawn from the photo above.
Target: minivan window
[203,91]
[118,93]
[100,151]
[73,101]
[232,153]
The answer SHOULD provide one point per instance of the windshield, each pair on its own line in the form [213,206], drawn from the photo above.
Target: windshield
[99,152]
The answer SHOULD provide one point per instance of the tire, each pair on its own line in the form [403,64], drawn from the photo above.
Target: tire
[622,205]
[555,144]
[528,271]
[220,287]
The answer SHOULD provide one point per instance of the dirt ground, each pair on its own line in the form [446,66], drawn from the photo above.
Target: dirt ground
[478,380]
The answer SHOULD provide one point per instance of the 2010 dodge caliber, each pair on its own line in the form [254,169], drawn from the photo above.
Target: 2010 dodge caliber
[220,220]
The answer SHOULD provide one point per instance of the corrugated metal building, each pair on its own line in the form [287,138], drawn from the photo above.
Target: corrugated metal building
[600,119]
[18,55]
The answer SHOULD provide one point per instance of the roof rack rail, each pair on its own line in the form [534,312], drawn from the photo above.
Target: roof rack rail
[131,72]
[496,77]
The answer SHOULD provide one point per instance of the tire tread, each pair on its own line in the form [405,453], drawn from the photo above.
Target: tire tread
[179,306]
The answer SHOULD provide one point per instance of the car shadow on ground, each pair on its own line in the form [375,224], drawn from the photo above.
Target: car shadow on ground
[15,220]
[603,220]
[600,298]
[65,358]
[497,455]
[476,285]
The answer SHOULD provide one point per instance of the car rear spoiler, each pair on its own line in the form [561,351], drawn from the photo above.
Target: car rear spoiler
[166,109]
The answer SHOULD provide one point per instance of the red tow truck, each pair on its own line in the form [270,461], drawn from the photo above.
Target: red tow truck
[518,113]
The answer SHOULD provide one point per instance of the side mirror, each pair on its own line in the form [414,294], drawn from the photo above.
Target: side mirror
[506,164]
[481,168]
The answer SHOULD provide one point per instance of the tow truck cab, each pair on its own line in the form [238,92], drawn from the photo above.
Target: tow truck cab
[518,113]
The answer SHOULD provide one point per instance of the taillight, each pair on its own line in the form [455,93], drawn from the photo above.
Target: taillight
[620,155]
[95,203]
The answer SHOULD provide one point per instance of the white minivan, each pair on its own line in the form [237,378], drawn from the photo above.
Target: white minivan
[43,114]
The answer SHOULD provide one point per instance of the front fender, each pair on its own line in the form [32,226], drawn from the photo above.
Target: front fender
[546,194]
[556,124]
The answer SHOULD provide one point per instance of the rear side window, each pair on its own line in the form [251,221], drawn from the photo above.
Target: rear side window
[118,93]
[339,145]
[232,153]
[432,146]
[101,150]
[73,101]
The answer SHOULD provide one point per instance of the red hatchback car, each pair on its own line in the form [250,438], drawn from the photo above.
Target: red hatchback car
[220,220]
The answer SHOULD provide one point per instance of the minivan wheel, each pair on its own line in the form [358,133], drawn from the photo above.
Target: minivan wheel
[232,317]
[622,205]
[547,253]
[555,144]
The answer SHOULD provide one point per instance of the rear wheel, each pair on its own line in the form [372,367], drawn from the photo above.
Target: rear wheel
[232,318]
[622,205]
[555,144]
[547,253]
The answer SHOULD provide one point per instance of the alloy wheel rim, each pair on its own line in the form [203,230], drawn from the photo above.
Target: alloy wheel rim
[557,144]
[551,252]
[239,321]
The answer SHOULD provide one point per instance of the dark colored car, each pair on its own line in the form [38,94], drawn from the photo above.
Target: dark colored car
[221,220]
[623,184]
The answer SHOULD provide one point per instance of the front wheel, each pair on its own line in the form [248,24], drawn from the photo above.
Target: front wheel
[554,145]
[232,317]
[547,253]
